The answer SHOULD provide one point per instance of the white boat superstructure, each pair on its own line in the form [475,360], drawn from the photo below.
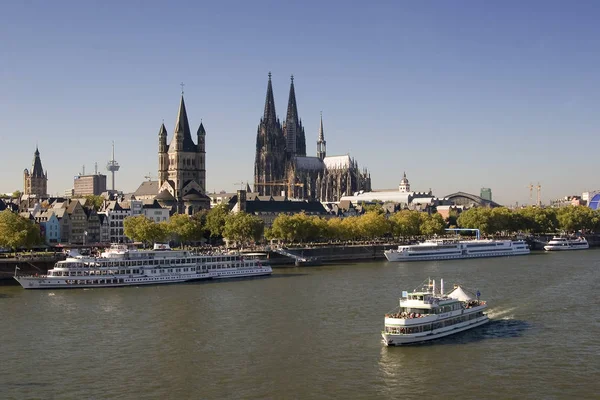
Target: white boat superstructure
[123,266]
[560,243]
[426,315]
[447,249]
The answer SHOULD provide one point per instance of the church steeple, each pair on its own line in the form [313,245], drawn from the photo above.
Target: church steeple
[292,129]
[321,143]
[38,171]
[182,137]
[270,115]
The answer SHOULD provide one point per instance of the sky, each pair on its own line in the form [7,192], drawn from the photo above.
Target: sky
[460,95]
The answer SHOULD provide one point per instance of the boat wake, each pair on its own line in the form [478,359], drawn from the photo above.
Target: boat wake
[498,313]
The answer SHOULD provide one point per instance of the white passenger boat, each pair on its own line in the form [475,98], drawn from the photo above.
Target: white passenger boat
[123,266]
[447,249]
[426,315]
[560,243]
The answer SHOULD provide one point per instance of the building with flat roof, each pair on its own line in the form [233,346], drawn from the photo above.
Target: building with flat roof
[86,185]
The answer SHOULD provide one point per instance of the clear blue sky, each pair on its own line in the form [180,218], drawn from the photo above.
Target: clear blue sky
[459,94]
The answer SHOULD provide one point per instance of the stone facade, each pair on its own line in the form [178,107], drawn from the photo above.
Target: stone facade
[281,164]
[36,182]
[182,166]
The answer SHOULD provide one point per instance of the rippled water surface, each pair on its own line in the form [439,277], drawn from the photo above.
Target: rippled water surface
[309,333]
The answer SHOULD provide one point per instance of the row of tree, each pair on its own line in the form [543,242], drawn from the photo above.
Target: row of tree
[533,220]
[218,222]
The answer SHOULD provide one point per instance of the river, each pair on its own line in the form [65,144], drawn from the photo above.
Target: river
[309,333]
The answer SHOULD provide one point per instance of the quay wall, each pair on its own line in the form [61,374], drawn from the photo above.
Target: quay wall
[332,254]
[27,266]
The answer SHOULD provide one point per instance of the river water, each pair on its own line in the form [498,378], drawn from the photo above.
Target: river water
[309,333]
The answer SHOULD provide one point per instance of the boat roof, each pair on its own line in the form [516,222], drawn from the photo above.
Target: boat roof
[460,294]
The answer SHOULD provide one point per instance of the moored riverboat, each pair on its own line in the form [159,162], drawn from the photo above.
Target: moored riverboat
[124,266]
[560,243]
[427,315]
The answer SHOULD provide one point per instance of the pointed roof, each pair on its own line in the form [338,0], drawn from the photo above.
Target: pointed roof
[321,134]
[292,110]
[270,104]
[201,131]
[37,171]
[182,129]
[163,130]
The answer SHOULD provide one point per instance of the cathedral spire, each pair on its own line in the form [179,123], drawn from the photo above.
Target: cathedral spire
[293,130]
[321,143]
[270,115]
[292,110]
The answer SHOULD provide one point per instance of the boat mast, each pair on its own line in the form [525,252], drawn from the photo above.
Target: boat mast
[442,286]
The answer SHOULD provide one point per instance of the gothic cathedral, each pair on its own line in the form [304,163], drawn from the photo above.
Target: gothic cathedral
[282,167]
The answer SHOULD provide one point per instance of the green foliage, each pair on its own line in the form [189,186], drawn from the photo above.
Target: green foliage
[373,225]
[94,202]
[242,227]
[406,223]
[432,224]
[17,194]
[215,220]
[185,228]
[142,229]
[16,231]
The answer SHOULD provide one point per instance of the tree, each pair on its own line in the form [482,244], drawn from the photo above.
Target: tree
[432,224]
[17,194]
[575,218]
[16,231]
[215,220]
[135,227]
[374,225]
[406,223]
[94,202]
[242,227]
[186,229]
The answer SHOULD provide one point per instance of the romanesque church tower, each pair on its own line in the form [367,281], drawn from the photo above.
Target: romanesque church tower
[36,182]
[269,163]
[181,165]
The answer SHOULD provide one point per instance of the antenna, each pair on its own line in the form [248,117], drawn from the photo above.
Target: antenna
[113,166]
[241,183]
[83,169]
[95,168]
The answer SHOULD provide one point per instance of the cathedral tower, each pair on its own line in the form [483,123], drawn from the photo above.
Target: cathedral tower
[269,163]
[321,144]
[36,182]
[295,140]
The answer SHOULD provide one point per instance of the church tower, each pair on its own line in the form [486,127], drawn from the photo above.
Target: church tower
[181,165]
[269,163]
[295,140]
[321,144]
[36,182]
[404,186]
[163,158]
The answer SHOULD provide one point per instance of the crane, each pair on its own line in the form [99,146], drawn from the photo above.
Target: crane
[289,185]
[539,194]
[530,192]
[149,176]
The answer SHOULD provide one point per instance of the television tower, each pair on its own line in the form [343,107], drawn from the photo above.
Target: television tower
[113,166]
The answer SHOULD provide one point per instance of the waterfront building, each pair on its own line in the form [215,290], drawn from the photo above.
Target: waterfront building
[79,221]
[268,209]
[92,233]
[86,185]
[181,166]
[49,226]
[116,213]
[36,182]
[281,166]
[402,196]
[155,212]
[64,221]
[104,228]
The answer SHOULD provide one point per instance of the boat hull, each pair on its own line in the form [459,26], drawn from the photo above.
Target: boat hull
[390,339]
[393,255]
[565,248]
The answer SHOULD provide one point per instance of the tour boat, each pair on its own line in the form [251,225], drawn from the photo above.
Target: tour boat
[447,249]
[124,266]
[559,243]
[426,315]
